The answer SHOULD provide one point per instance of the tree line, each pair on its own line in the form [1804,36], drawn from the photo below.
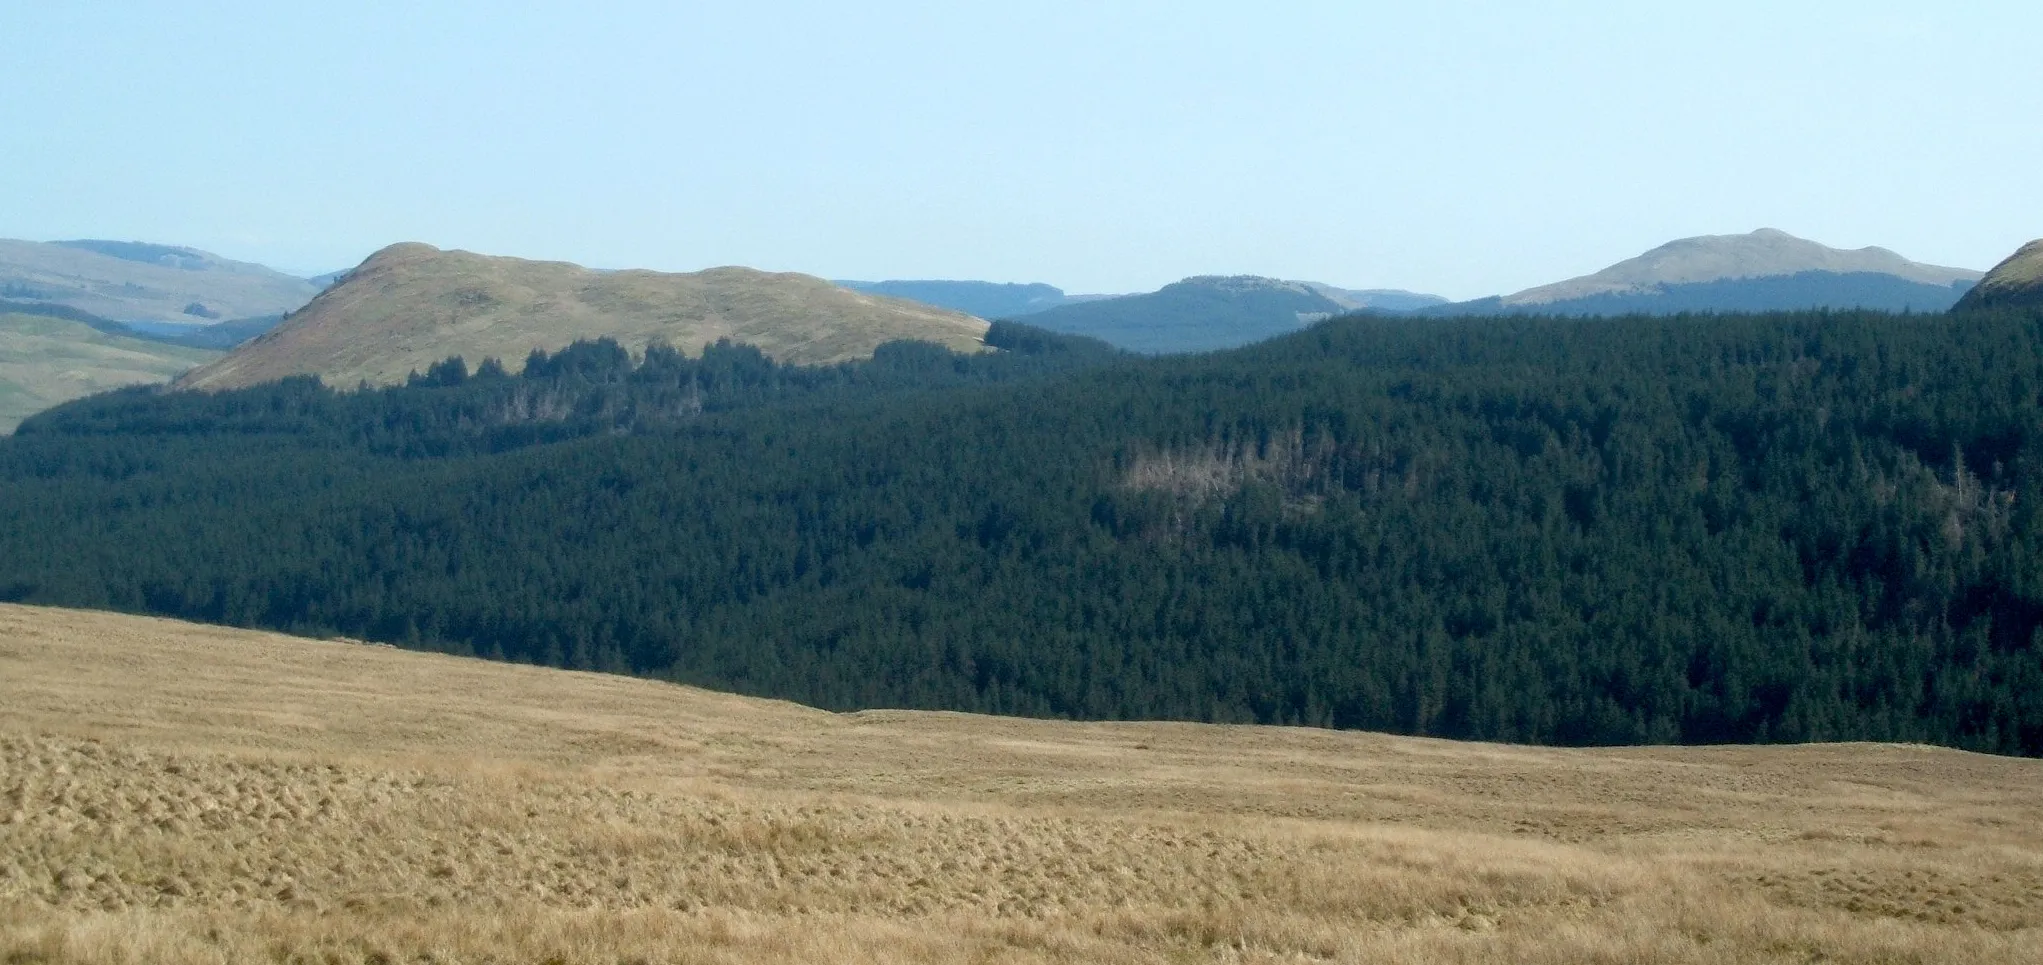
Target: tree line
[1785,527]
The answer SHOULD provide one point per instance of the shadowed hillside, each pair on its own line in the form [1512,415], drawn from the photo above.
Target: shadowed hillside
[1196,315]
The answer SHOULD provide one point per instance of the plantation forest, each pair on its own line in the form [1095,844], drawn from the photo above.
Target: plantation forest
[1738,528]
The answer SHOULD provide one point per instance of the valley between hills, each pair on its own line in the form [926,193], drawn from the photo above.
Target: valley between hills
[1440,527]
[179,793]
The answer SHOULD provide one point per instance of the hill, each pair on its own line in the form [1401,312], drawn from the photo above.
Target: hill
[1805,290]
[218,336]
[1141,322]
[1766,270]
[983,299]
[1736,529]
[1195,315]
[411,305]
[2014,283]
[179,794]
[132,281]
[1391,300]
[46,360]
[1762,254]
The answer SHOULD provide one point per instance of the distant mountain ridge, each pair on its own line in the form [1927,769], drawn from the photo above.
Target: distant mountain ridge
[132,281]
[1805,290]
[2014,283]
[1764,253]
[1765,270]
[984,299]
[1198,314]
[411,305]
[1377,299]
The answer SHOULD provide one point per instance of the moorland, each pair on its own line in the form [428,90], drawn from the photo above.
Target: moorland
[174,793]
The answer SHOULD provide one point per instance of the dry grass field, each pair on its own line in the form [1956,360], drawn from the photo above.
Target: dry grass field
[411,305]
[183,794]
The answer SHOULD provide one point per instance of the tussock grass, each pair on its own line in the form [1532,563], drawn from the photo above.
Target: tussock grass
[184,794]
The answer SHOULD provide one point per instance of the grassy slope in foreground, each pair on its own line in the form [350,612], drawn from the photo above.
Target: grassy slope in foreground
[45,361]
[179,793]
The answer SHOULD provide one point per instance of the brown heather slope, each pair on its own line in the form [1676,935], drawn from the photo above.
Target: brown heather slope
[2014,283]
[411,305]
[172,793]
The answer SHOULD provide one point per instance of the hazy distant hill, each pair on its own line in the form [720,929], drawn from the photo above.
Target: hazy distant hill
[2016,282]
[133,281]
[411,305]
[1809,289]
[220,336]
[997,300]
[45,360]
[1196,315]
[984,299]
[1766,270]
[1377,299]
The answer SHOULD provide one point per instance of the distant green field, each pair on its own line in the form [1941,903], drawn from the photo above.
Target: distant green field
[46,361]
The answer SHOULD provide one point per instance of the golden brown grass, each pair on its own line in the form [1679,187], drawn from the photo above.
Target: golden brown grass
[177,793]
[411,305]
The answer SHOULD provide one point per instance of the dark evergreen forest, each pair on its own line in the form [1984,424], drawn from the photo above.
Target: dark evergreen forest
[1814,526]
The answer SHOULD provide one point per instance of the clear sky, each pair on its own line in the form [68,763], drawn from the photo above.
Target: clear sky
[1456,147]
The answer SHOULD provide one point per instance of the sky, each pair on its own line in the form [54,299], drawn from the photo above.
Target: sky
[1459,148]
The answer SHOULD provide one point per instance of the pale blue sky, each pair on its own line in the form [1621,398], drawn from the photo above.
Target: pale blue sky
[1463,148]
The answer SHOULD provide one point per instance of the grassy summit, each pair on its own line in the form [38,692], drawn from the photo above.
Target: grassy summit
[411,305]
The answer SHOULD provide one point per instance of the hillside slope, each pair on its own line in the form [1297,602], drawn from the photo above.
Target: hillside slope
[1762,254]
[1195,315]
[1393,300]
[1871,291]
[1764,271]
[1520,529]
[411,305]
[984,299]
[45,361]
[2014,283]
[132,281]
[177,793]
